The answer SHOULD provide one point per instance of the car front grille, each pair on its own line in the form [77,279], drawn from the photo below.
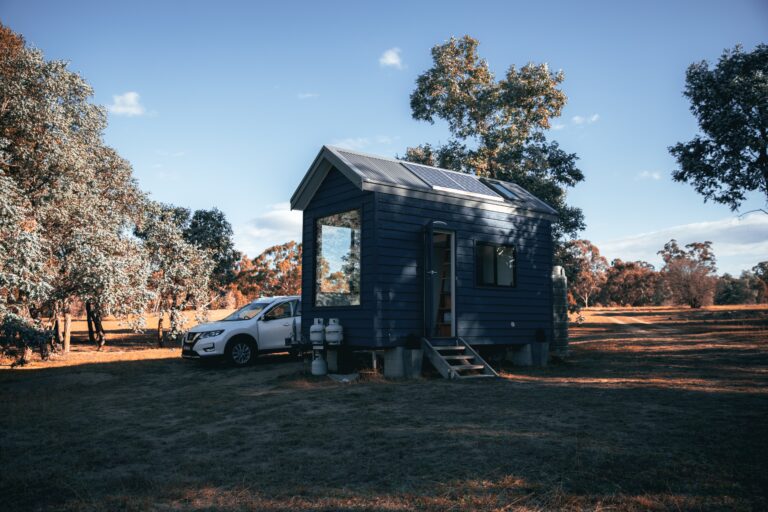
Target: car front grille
[189,339]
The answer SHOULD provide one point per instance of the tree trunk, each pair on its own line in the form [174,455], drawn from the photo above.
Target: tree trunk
[58,332]
[67,331]
[99,329]
[160,331]
[89,317]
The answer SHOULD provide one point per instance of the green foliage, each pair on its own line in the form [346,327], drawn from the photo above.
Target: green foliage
[180,271]
[210,230]
[730,102]
[741,290]
[497,126]
[69,206]
[22,334]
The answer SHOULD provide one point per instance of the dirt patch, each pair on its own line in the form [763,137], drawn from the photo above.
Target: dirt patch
[657,409]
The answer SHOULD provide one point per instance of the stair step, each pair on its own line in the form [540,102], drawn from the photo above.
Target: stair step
[467,367]
[456,359]
[477,376]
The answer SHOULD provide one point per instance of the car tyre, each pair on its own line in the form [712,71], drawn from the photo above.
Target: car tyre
[241,352]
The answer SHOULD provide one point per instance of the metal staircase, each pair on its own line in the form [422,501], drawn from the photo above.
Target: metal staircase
[454,358]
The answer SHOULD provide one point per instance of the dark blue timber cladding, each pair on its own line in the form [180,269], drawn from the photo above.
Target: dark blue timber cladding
[483,314]
[392,264]
[338,194]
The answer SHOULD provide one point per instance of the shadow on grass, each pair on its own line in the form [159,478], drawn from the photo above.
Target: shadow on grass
[680,427]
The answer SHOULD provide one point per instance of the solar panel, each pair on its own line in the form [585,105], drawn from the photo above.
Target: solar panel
[471,184]
[454,181]
[431,176]
[505,191]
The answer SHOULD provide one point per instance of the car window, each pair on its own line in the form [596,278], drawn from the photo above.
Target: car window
[297,308]
[280,311]
[247,312]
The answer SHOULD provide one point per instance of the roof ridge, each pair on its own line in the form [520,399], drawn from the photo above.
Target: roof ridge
[360,153]
[396,160]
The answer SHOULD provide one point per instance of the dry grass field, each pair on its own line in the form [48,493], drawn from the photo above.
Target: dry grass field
[657,409]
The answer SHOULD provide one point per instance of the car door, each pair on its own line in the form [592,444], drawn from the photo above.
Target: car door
[275,326]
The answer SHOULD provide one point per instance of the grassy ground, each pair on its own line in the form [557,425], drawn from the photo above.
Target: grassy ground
[658,408]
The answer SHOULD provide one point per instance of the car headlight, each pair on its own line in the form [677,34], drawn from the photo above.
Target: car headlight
[211,334]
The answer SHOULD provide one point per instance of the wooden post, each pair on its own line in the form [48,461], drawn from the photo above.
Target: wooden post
[67,330]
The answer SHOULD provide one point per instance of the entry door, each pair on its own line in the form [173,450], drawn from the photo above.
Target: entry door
[440,279]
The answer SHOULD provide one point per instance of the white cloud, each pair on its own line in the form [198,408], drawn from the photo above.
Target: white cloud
[391,58]
[172,154]
[738,243]
[648,175]
[275,226]
[558,126]
[577,120]
[307,95]
[360,143]
[127,104]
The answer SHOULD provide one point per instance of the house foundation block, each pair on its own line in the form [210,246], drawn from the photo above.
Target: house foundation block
[394,367]
[521,355]
[332,358]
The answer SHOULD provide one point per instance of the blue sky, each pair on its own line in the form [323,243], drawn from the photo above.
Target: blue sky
[226,103]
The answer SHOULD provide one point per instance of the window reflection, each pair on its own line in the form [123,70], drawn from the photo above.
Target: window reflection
[337,264]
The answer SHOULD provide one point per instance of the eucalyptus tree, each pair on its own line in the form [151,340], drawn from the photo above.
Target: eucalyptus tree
[23,278]
[586,269]
[210,229]
[498,126]
[689,273]
[730,101]
[180,270]
[76,197]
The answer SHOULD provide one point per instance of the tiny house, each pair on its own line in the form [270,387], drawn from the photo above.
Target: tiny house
[399,251]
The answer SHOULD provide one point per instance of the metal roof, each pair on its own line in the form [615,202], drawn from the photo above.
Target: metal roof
[388,175]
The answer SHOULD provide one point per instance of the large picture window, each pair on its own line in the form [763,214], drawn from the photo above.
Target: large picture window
[495,265]
[337,263]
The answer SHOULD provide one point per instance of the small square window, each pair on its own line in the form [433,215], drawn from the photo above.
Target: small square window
[495,265]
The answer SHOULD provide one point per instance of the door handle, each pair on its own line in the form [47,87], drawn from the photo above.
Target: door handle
[286,325]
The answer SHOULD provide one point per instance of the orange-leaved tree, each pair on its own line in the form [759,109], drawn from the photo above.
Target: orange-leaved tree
[585,269]
[631,283]
[690,274]
[276,271]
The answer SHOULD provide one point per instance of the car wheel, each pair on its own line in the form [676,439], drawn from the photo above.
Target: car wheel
[241,352]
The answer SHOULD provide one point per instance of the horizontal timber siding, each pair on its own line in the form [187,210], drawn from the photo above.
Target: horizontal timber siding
[337,194]
[483,314]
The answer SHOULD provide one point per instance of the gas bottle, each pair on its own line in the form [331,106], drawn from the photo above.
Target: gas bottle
[334,333]
[317,332]
[319,366]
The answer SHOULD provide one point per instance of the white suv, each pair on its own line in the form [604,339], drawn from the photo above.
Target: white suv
[264,325]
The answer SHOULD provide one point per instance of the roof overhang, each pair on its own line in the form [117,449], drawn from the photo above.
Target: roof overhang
[329,158]
[325,160]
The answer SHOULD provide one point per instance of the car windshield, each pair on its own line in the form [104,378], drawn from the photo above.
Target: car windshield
[248,311]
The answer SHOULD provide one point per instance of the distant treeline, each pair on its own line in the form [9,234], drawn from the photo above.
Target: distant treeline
[688,277]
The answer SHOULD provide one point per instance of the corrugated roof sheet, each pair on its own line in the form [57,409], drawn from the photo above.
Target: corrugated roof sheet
[382,170]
